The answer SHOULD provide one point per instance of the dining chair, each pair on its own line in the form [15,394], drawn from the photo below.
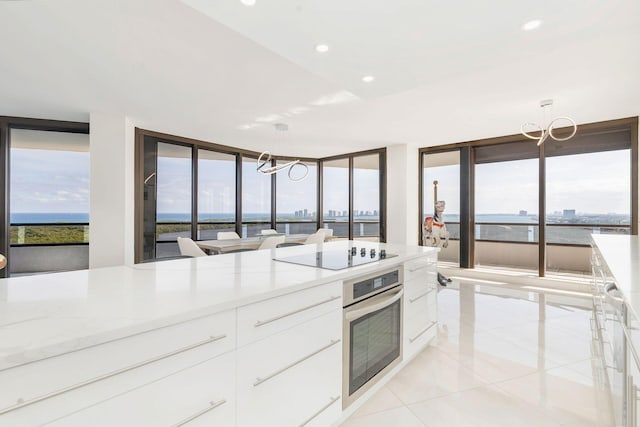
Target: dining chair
[317,237]
[189,248]
[328,232]
[271,242]
[268,231]
[227,235]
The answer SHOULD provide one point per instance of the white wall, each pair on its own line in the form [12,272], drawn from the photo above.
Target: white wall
[402,194]
[111,209]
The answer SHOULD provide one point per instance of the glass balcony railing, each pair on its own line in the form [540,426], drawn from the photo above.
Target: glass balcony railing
[556,234]
[580,234]
[48,247]
[49,233]
[506,232]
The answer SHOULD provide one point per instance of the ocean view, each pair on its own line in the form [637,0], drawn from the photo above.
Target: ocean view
[78,217]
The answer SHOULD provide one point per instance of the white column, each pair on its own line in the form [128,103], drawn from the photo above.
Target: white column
[111,144]
[402,194]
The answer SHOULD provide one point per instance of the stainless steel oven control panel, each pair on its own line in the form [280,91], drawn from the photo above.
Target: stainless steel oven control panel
[367,286]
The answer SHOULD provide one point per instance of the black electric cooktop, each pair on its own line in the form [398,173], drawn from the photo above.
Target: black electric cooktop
[335,260]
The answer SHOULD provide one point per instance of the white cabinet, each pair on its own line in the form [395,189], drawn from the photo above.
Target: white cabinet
[202,395]
[54,387]
[294,377]
[265,318]
[420,304]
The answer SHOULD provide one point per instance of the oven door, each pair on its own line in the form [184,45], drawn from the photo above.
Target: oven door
[372,342]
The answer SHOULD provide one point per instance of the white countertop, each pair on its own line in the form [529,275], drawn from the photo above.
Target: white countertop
[49,314]
[622,255]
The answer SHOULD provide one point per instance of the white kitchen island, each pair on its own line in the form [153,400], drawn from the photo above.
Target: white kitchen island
[229,340]
[616,288]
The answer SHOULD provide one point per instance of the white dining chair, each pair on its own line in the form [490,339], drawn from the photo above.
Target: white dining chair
[328,233]
[227,235]
[189,248]
[271,242]
[317,237]
[268,231]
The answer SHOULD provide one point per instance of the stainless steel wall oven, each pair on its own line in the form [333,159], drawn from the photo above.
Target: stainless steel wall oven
[372,330]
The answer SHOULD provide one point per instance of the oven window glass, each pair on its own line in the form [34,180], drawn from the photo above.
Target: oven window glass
[375,343]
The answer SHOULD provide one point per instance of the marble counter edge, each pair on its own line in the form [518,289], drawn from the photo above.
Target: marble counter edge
[17,358]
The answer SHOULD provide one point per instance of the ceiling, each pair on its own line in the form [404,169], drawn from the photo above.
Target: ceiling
[224,72]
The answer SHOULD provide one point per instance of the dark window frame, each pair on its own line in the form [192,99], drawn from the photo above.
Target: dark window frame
[629,124]
[142,134]
[6,124]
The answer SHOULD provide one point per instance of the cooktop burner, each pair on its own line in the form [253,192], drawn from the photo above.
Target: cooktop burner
[336,260]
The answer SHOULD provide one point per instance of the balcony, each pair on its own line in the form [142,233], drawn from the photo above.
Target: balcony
[48,247]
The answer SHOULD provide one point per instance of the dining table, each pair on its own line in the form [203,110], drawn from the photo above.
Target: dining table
[245,243]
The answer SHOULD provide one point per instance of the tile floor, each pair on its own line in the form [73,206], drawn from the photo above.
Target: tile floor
[503,357]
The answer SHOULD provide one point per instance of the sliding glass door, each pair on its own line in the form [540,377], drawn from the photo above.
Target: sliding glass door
[335,196]
[441,171]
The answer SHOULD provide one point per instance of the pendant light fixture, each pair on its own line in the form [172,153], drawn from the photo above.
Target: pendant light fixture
[530,130]
[264,167]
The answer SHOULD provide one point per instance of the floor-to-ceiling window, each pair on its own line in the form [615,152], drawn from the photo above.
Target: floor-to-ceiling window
[588,191]
[335,196]
[366,197]
[441,174]
[173,197]
[535,207]
[297,198]
[47,177]
[256,199]
[216,193]
[354,195]
[506,205]
[195,189]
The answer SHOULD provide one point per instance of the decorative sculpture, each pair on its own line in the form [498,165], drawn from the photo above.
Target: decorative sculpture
[3,261]
[434,230]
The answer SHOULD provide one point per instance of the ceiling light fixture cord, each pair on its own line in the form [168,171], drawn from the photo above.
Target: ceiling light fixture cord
[265,159]
[546,132]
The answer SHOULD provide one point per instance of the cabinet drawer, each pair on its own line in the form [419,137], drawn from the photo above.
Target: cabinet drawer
[98,372]
[293,377]
[420,326]
[420,302]
[420,269]
[265,318]
[197,396]
[417,287]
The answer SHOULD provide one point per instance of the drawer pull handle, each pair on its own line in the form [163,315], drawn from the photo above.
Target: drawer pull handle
[421,296]
[321,410]
[422,332]
[282,316]
[110,374]
[261,380]
[212,406]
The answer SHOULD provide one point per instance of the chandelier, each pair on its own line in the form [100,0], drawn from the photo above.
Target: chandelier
[531,130]
[264,159]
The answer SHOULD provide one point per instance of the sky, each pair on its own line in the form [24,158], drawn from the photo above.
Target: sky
[46,181]
[597,183]
[58,181]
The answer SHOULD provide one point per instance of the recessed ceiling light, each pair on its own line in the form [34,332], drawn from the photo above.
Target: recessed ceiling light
[248,2]
[531,25]
[322,48]
[368,79]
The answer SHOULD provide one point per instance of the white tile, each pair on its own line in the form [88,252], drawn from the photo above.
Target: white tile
[500,359]
[383,400]
[432,374]
[563,394]
[399,417]
[483,407]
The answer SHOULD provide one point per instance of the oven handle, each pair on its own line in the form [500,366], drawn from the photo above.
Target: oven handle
[350,315]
